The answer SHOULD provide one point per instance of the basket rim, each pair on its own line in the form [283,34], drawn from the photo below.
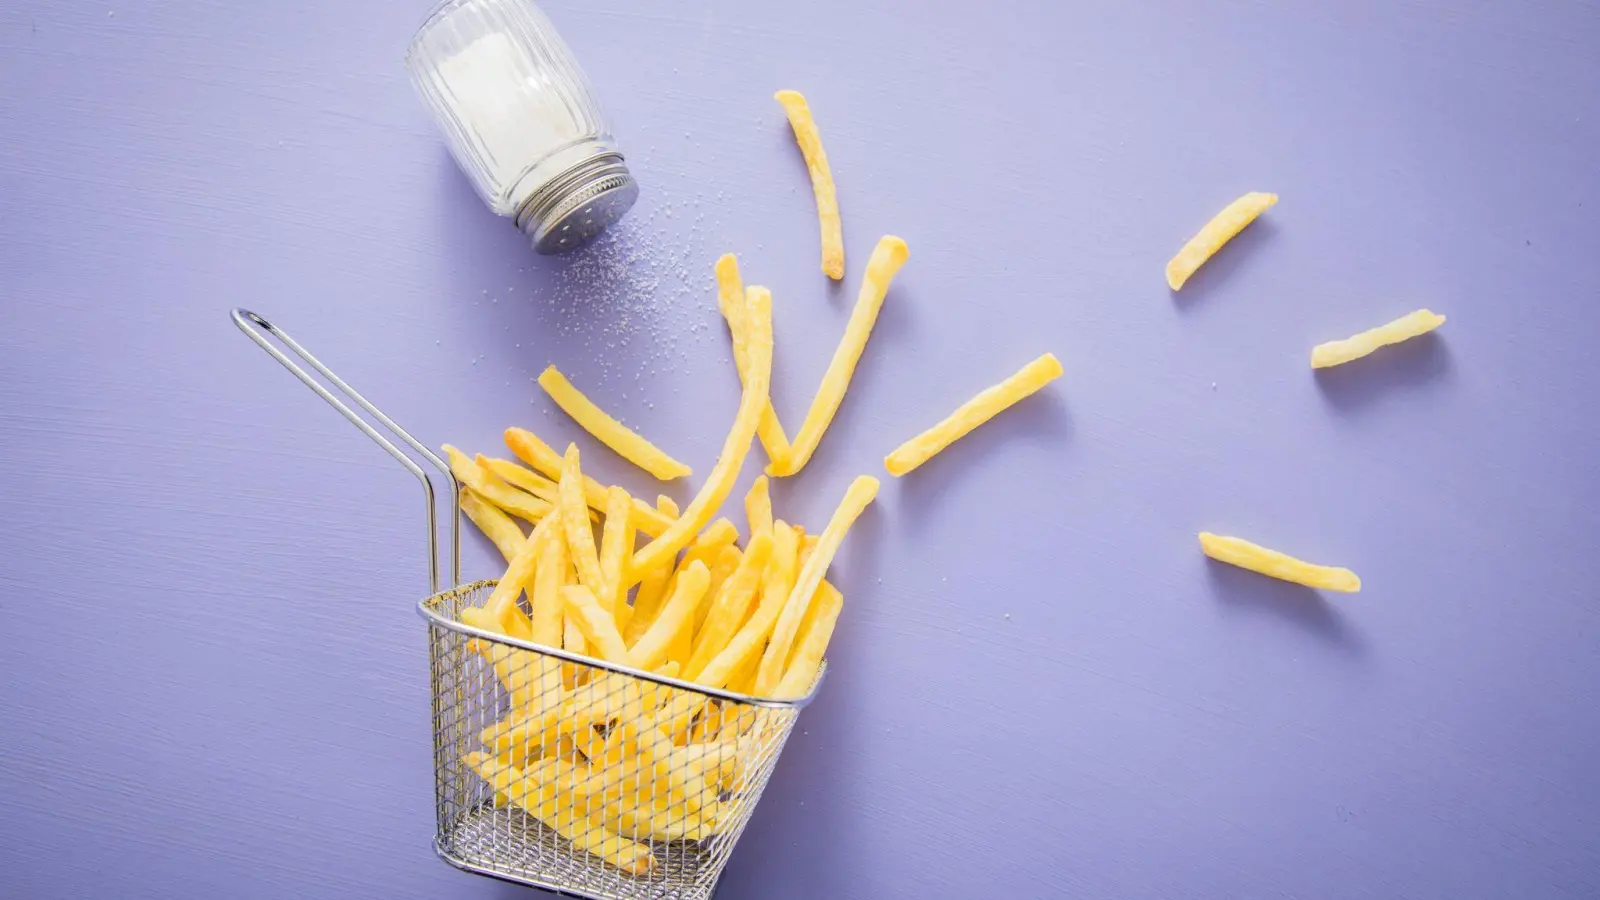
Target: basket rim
[433,617]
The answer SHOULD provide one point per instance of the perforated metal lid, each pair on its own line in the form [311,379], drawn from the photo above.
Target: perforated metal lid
[578,204]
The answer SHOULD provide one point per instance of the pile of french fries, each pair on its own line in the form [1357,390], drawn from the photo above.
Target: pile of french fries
[614,762]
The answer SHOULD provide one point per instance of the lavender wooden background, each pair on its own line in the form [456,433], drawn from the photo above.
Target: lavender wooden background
[215,683]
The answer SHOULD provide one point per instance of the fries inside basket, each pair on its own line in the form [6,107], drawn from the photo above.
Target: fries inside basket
[586,777]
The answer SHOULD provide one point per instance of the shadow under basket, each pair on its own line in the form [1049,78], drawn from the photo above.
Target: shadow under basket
[563,772]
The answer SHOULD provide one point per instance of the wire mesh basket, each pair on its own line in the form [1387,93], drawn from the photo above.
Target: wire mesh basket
[560,771]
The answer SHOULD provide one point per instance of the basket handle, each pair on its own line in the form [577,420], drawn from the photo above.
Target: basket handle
[256,328]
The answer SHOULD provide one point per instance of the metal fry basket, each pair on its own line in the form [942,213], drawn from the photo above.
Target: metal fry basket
[556,770]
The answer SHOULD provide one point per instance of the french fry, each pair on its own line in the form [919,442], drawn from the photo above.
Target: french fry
[493,522]
[519,503]
[810,141]
[520,477]
[517,575]
[1335,353]
[572,640]
[727,562]
[860,493]
[595,621]
[652,587]
[1242,553]
[536,453]
[616,548]
[730,299]
[747,642]
[627,444]
[651,649]
[1221,229]
[734,450]
[731,605]
[502,605]
[575,524]
[812,644]
[707,549]
[546,795]
[545,616]
[758,506]
[887,258]
[980,409]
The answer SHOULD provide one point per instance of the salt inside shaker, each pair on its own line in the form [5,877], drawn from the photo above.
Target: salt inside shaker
[521,120]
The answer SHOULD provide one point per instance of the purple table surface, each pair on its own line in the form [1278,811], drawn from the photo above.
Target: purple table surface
[215,679]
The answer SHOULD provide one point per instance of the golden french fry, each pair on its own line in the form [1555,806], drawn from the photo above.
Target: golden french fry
[652,587]
[1238,552]
[810,141]
[544,794]
[651,648]
[969,415]
[519,503]
[758,506]
[812,644]
[1221,229]
[520,477]
[745,647]
[728,559]
[575,524]
[734,450]
[572,639]
[599,629]
[517,575]
[706,549]
[545,616]
[731,605]
[887,258]
[628,445]
[616,548]
[493,522]
[1334,353]
[860,493]
[536,453]
[731,300]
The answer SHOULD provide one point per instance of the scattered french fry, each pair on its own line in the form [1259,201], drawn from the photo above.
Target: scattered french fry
[886,260]
[860,493]
[543,458]
[980,409]
[628,445]
[1242,553]
[1221,229]
[1335,353]
[810,141]
[731,301]
[493,522]
[734,450]
[519,503]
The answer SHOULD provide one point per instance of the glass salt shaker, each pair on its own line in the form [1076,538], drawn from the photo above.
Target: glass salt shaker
[520,120]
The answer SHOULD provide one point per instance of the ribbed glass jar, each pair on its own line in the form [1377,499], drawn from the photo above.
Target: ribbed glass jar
[521,120]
